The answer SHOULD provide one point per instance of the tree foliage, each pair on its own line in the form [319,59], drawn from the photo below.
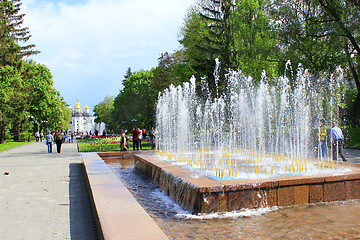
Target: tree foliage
[26,88]
[257,35]
[251,36]
[322,35]
[102,111]
[12,34]
[255,42]
[172,69]
[238,33]
[134,106]
[29,96]
[11,107]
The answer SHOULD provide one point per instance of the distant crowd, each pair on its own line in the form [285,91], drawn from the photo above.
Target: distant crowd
[57,137]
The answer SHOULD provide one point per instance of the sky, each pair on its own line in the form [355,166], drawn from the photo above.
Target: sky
[88,45]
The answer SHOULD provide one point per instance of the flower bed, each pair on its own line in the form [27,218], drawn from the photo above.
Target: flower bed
[107,144]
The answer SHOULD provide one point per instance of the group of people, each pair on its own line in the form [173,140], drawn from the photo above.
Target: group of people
[137,137]
[39,136]
[58,137]
[336,140]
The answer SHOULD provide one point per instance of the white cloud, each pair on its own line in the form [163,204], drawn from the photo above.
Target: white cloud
[82,38]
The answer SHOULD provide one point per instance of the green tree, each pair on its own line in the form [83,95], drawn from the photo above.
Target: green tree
[134,105]
[254,40]
[172,69]
[103,111]
[58,114]
[64,115]
[207,35]
[46,105]
[13,90]
[322,35]
[192,37]
[12,34]
[11,96]
[238,33]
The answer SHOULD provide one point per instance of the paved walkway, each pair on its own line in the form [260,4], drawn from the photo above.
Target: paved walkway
[44,196]
[352,155]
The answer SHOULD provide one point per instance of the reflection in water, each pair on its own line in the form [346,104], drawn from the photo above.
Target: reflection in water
[339,220]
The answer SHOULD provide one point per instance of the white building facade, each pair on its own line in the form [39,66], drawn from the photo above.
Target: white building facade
[83,122]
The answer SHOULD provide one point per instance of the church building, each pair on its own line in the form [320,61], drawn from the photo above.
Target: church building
[83,121]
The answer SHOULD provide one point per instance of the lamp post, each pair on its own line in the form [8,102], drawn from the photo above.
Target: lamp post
[134,121]
[29,117]
[45,124]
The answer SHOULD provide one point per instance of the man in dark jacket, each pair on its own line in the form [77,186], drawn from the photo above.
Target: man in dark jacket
[59,138]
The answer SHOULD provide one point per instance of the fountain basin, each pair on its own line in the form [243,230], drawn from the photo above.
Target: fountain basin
[201,194]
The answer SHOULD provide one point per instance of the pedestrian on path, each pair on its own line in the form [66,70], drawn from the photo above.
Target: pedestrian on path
[337,141]
[49,141]
[124,145]
[140,137]
[135,134]
[321,146]
[59,138]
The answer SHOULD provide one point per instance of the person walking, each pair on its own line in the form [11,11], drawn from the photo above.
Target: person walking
[140,137]
[322,140]
[135,134]
[337,141]
[37,136]
[49,141]
[151,135]
[59,138]
[123,142]
[155,137]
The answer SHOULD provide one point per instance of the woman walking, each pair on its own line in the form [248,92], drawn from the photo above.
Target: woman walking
[49,141]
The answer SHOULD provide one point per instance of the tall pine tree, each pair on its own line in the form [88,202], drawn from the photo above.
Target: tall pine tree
[12,34]
[13,49]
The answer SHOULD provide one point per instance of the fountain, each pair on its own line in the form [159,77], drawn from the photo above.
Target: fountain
[249,148]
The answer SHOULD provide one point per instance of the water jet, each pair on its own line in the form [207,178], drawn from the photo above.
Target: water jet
[252,145]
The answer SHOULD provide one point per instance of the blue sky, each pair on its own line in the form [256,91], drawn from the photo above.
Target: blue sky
[88,45]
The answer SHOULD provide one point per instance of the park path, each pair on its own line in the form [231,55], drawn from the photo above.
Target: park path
[44,195]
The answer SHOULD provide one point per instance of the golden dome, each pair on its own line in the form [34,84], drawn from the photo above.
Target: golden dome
[77,107]
[77,104]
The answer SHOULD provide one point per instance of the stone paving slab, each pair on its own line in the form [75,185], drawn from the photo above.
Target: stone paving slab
[352,155]
[44,196]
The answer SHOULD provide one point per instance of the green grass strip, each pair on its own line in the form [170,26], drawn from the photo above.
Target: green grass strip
[11,144]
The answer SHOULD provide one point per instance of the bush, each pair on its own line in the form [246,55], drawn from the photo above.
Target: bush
[352,137]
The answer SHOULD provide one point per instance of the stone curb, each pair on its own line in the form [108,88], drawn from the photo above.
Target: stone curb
[119,215]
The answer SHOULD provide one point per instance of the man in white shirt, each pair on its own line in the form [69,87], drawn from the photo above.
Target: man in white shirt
[337,141]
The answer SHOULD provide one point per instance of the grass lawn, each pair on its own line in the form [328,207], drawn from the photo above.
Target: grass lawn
[106,145]
[11,144]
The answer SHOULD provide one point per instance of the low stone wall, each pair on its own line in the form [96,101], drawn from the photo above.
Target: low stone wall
[205,195]
[121,154]
[119,215]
